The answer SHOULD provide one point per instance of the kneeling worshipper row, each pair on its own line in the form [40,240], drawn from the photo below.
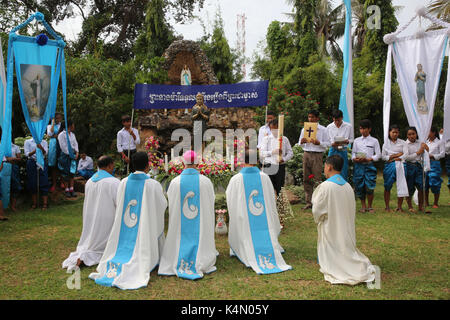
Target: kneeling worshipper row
[123,226]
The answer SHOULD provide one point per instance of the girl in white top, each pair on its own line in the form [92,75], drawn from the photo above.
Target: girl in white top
[393,150]
[65,163]
[414,170]
[434,181]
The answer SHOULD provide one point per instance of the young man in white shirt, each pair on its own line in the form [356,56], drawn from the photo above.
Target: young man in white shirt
[313,156]
[274,159]
[127,140]
[265,129]
[341,135]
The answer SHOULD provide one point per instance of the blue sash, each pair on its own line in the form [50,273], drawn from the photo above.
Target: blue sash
[129,228]
[100,175]
[389,175]
[338,179]
[433,177]
[190,224]
[257,218]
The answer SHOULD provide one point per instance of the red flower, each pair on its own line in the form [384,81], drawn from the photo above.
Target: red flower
[311,176]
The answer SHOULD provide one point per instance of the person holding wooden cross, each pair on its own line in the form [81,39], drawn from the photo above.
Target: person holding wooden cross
[314,140]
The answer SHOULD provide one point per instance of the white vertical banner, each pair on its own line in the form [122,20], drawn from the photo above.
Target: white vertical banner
[418,62]
[447,108]
[387,94]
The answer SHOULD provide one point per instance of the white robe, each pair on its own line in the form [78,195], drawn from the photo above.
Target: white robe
[334,212]
[99,210]
[240,230]
[174,263]
[149,240]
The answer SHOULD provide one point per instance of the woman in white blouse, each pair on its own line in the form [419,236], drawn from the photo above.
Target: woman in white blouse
[434,181]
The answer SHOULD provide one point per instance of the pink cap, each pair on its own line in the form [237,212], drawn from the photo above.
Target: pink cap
[189,156]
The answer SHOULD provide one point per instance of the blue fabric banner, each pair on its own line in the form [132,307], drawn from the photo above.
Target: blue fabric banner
[244,94]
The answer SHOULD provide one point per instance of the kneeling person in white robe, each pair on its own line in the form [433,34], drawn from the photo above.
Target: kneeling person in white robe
[254,225]
[190,251]
[334,212]
[99,210]
[137,237]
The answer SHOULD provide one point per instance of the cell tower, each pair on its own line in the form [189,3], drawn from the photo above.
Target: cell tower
[240,35]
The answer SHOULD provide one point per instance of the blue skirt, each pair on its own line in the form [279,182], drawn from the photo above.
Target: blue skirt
[67,166]
[414,177]
[364,179]
[433,177]
[87,173]
[344,155]
[16,186]
[32,177]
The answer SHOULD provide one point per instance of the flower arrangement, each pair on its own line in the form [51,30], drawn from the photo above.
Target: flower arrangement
[284,208]
[155,158]
[221,225]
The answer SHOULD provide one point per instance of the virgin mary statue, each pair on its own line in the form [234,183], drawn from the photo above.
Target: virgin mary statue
[421,78]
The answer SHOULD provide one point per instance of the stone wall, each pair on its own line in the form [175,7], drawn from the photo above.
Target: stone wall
[162,122]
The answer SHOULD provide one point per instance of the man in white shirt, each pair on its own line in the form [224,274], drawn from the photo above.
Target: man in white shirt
[67,160]
[265,129]
[127,140]
[341,135]
[313,156]
[274,161]
[85,166]
[32,172]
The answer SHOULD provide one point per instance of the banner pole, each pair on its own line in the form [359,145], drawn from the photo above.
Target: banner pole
[37,174]
[129,142]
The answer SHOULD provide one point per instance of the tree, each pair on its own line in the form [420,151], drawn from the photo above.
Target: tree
[441,8]
[224,60]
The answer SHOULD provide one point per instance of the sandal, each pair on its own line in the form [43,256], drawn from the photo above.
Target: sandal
[33,206]
[412,210]
[3,219]
[371,210]
[44,207]
[362,210]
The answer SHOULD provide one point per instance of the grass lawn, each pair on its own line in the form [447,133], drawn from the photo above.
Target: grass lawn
[411,250]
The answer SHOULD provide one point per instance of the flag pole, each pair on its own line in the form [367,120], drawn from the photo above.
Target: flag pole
[129,142]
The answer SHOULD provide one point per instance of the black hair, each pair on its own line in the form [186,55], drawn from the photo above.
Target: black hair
[392,127]
[413,129]
[435,131]
[314,112]
[139,160]
[274,122]
[271,113]
[365,124]
[336,161]
[337,114]
[63,125]
[126,118]
[104,161]
[250,154]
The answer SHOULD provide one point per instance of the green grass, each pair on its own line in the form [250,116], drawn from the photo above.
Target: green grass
[411,250]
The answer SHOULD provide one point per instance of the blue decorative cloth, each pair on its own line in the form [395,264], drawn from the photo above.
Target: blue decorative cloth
[344,155]
[433,177]
[131,217]
[32,177]
[364,179]
[414,177]
[190,224]
[53,149]
[257,217]
[6,183]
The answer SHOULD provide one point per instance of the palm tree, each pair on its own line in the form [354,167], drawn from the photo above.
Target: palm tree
[441,8]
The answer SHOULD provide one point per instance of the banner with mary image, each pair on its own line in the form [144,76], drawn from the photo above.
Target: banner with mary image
[36,84]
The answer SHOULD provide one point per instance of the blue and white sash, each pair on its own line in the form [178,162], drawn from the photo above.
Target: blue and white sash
[131,215]
[190,224]
[338,179]
[257,218]
[100,175]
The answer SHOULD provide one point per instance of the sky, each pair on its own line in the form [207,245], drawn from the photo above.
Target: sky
[259,13]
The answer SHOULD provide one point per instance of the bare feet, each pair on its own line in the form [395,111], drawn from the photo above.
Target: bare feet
[3,218]
[435,206]
[411,210]
[387,209]
[399,210]
[372,210]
